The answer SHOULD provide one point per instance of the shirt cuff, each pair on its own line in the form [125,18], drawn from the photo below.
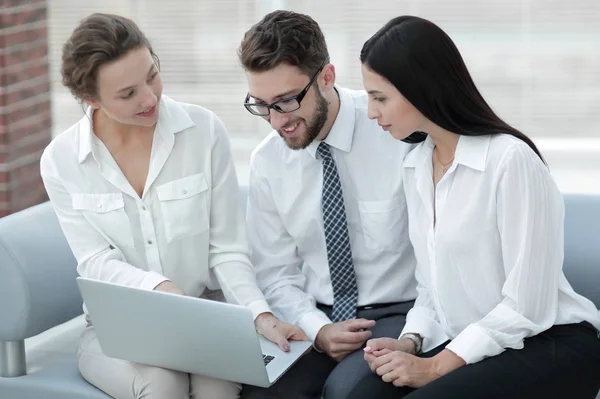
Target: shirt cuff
[421,320]
[312,323]
[473,344]
[152,280]
[259,306]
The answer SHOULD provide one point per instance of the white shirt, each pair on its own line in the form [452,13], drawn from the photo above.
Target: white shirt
[188,226]
[285,220]
[490,270]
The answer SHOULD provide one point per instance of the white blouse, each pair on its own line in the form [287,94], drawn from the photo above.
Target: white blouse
[489,271]
[187,227]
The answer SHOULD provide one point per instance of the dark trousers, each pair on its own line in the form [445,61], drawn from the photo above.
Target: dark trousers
[562,362]
[317,374]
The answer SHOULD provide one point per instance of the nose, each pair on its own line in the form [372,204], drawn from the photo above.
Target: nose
[372,111]
[278,120]
[149,98]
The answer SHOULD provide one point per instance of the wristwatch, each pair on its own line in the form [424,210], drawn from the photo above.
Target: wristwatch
[416,339]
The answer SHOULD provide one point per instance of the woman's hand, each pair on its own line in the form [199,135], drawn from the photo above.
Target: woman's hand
[403,369]
[278,331]
[378,345]
[382,346]
[170,287]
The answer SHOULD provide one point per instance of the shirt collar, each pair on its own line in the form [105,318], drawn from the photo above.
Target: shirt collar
[172,118]
[471,151]
[342,132]
[85,135]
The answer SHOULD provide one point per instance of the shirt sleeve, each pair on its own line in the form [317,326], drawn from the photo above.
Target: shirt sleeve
[228,246]
[96,258]
[274,256]
[422,319]
[530,217]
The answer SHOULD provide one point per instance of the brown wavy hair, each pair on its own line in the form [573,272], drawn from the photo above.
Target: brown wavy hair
[97,40]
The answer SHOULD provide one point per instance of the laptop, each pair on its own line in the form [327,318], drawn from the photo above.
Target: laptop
[192,335]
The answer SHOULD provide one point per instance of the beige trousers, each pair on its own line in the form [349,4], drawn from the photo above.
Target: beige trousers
[127,380]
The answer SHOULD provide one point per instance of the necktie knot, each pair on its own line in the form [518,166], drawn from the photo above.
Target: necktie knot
[323,150]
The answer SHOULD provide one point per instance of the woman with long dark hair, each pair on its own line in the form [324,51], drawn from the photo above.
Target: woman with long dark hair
[495,316]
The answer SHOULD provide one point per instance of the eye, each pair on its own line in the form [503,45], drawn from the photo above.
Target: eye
[153,76]
[129,94]
[287,100]
[379,99]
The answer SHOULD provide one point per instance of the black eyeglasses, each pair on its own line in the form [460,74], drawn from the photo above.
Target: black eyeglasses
[284,105]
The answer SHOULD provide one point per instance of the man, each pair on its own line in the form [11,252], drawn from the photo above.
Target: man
[326,211]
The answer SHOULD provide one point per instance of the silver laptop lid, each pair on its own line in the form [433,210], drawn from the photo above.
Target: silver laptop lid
[181,333]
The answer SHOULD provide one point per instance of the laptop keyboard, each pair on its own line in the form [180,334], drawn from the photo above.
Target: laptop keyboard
[268,358]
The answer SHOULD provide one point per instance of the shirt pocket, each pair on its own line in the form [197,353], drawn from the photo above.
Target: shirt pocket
[183,204]
[383,223]
[106,212]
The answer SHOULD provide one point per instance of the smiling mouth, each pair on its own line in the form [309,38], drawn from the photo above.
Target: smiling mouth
[147,112]
[290,129]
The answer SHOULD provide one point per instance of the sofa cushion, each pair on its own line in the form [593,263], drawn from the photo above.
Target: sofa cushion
[59,379]
[52,367]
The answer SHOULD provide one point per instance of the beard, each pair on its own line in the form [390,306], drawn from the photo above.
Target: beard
[313,127]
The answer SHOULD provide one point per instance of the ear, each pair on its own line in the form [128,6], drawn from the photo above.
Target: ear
[328,77]
[91,102]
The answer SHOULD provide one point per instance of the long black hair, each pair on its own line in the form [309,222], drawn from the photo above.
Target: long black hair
[421,60]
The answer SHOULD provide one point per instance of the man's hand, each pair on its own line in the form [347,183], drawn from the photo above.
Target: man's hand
[338,340]
[168,286]
[382,346]
[278,331]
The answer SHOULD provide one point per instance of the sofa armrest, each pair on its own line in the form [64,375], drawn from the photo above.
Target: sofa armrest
[38,289]
[582,249]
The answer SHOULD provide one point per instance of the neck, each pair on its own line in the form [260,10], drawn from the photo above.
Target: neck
[445,141]
[110,130]
[333,105]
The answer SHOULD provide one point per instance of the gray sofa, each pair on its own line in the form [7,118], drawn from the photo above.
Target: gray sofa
[38,293]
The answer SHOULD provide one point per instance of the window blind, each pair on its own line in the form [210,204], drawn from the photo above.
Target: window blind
[537,62]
